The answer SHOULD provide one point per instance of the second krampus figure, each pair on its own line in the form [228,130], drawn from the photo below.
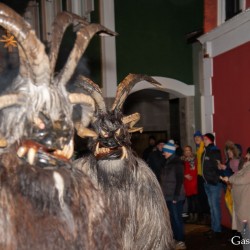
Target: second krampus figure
[130,187]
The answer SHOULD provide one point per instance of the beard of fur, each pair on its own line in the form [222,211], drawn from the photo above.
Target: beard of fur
[16,120]
[36,218]
[117,174]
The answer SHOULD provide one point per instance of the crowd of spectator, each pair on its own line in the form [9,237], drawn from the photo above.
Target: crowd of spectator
[198,177]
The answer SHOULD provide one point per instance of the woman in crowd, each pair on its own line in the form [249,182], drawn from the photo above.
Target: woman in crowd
[240,182]
[190,183]
[233,159]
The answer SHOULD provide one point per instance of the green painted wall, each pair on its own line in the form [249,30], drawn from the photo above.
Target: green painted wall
[152,37]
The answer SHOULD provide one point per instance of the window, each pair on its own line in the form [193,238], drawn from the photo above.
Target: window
[229,8]
[233,7]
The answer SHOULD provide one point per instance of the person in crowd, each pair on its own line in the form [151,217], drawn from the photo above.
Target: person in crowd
[190,183]
[233,159]
[156,159]
[232,165]
[212,184]
[150,148]
[203,207]
[172,186]
[240,182]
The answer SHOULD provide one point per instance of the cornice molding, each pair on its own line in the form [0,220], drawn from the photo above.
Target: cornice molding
[228,35]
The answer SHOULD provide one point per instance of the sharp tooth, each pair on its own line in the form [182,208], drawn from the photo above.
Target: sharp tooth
[31,156]
[124,153]
[97,149]
[21,151]
[68,150]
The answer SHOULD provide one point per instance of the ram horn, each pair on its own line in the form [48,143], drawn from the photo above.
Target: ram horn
[80,98]
[84,35]
[127,84]
[83,131]
[10,99]
[33,49]
[60,24]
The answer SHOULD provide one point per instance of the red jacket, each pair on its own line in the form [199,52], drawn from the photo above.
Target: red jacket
[190,167]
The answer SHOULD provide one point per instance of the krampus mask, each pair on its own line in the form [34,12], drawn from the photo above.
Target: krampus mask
[130,187]
[112,129]
[36,110]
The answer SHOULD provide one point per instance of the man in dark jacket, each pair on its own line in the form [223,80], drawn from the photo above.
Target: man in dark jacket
[150,148]
[172,178]
[212,184]
[156,159]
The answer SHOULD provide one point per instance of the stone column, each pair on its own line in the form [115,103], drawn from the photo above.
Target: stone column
[187,122]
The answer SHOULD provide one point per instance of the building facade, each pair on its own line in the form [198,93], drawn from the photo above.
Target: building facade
[225,72]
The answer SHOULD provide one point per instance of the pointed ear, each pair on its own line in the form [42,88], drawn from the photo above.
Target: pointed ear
[83,131]
[131,120]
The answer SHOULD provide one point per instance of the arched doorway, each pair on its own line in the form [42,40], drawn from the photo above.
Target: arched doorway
[166,112]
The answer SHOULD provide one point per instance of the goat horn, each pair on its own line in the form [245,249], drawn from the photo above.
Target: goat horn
[84,35]
[62,21]
[33,49]
[9,100]
[127,84]
[37,66]
[93,90]
[83,131]
[79,98]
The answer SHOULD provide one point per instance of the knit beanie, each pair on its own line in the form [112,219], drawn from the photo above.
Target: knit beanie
[198,133]
[169,147]
[210,137]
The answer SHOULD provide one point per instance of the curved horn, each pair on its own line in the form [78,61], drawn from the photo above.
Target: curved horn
[62,21]
[79,98]
[38,62]
[83,131]
[93,90]
[83,38]
[9,100]
[127,84]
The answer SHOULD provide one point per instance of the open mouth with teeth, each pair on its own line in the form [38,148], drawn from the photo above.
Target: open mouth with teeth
[36,153]
[111,153]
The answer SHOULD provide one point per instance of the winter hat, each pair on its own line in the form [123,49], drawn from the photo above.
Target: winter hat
[209,136]
[169,147]
[198,133]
